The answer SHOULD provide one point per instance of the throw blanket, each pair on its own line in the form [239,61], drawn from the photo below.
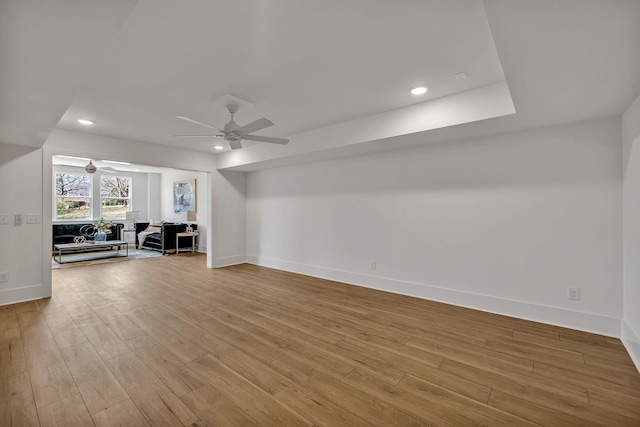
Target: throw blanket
[143,235]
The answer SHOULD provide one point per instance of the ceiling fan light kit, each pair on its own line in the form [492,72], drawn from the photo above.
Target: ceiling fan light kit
[233,133]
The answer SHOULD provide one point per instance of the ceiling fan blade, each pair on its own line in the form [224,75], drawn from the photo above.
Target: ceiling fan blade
[256,126]
[190,120]
[281,141]
[194,136]
[235,145]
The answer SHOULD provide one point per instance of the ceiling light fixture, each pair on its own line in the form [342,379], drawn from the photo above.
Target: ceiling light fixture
[90,168]
[85,122]
[218,147]
[419,90]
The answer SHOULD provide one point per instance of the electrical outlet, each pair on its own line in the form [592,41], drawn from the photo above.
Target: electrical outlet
[372,265]
[574,294]
[4,219]
[17,219]
[4,276]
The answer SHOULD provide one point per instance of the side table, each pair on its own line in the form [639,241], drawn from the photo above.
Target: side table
[193,235]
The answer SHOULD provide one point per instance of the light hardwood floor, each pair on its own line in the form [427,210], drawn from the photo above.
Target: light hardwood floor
[167,341]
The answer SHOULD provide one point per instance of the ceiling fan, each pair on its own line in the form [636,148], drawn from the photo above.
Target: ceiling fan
[233,133]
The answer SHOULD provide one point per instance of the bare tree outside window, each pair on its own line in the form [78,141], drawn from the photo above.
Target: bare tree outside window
[115,195]
[73,196]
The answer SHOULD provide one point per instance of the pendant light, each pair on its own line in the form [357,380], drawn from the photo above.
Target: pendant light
[90,168]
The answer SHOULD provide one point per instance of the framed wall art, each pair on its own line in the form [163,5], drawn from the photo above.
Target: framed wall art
[184,196]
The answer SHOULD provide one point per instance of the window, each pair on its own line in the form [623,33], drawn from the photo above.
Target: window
[115,195]
[73,196]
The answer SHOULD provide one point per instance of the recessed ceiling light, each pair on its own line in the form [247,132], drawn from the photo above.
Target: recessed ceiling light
[419,90]
[85,122]
[218,147]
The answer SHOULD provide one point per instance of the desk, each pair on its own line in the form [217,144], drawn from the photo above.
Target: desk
[193,235]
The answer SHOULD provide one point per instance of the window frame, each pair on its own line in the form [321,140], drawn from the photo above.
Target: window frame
[129,198]
[88,197]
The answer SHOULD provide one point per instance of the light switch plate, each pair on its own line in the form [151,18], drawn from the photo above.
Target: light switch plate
[17,219]
[33,218]
[4,219]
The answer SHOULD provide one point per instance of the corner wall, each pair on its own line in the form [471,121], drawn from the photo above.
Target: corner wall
[21,253]
[229,212]
[631,230]
[503,224]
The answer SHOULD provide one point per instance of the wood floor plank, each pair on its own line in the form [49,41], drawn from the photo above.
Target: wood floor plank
[215,409]
[542,390]
[352,326]
[317,408]
[628,407]
[12,360]
[534,351]
[474,390]
[172,341]
[264,408]
[476,355]
[446,399]
[7,313]
[253,370]
[612,354]
[120,325]
[175,322]
[583,376]
[123,414]
[370,408]
[106,343]
[67,412]
[97,385]
[171,370]
[535,413]
[153,398]
[306,352]
[33,327]
[17,406]
[264,351]
[65,331]
[50,376]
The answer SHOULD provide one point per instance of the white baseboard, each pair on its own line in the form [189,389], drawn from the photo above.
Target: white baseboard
[587,322]
[27,293]
[229,260]
[631,341]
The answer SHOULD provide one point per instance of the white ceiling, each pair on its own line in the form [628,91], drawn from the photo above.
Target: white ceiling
[303,64]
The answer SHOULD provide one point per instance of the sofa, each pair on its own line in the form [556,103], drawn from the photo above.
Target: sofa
[159,237]
[67,232]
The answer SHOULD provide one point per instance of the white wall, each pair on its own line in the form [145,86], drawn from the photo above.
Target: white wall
[202,213]
[229,217]
[155,197]
[631,230]
[503,224]
[21,246]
